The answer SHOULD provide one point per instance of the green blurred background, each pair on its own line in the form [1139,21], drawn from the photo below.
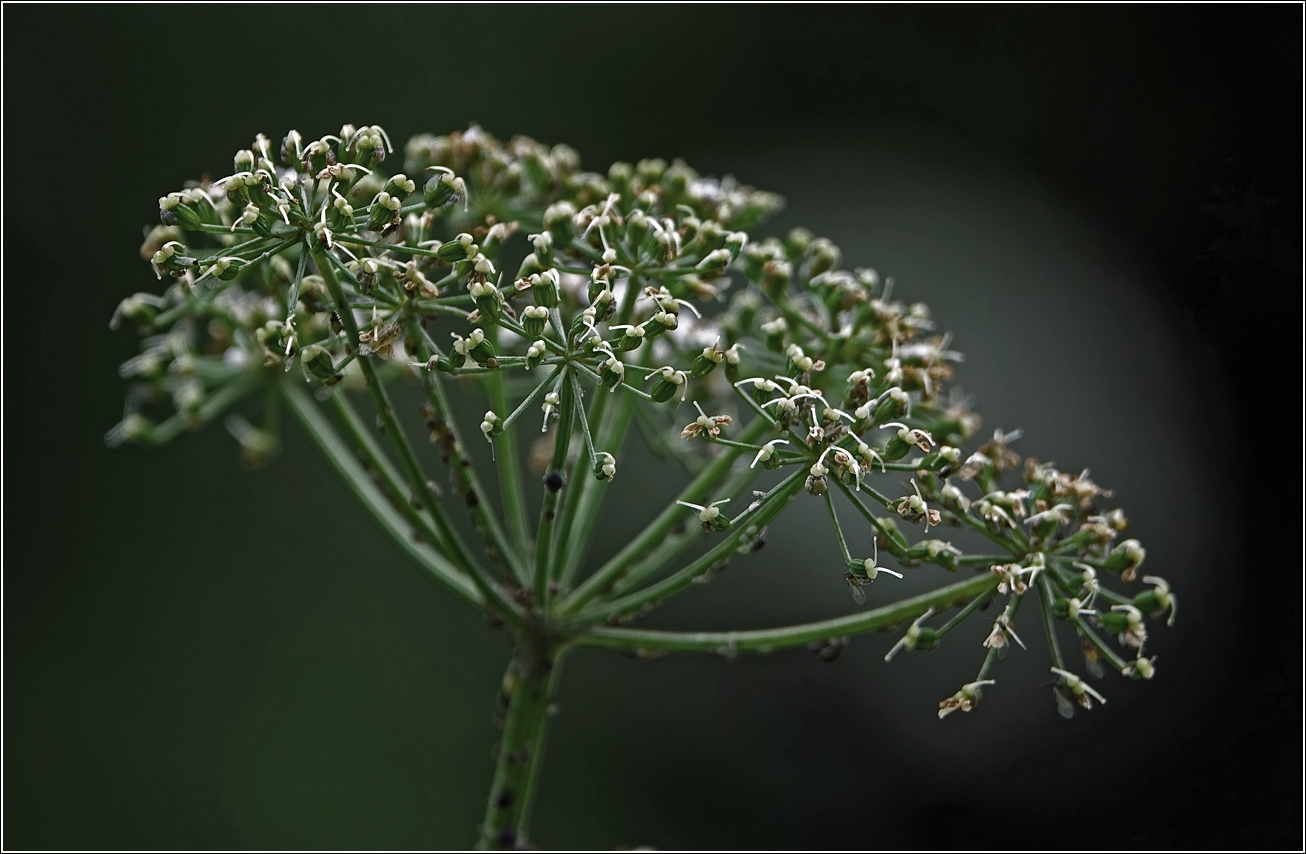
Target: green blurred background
[1103,203]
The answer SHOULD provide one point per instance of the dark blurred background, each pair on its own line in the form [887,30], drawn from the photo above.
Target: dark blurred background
[1103,203]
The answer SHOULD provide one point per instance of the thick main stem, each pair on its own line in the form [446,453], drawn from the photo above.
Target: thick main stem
[526,696]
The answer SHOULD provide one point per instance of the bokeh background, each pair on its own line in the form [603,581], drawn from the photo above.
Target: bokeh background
[1103,203]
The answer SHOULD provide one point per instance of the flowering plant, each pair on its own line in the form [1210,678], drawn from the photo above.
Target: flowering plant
[635,298]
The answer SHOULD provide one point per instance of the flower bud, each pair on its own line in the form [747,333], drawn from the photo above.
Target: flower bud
[825,256]
[706,362]
[170,257]
[605,466]
[557,221]
[175,210]
[457,249]
[796,243]
[543,245]
[489,302]
[735,242]
[665,246]
[942,460]
[714,263]
[667,384]
[495,237]
[491,426]
[530,266]
[632,337]
[383,211]
[732,363]
[544,288]
[775,332]
[892,405]
[612,372]
[444,191]
[637,228]
[1125,559]
[316,360]
[533,320]
[400,187]
[475,346]
[535,354]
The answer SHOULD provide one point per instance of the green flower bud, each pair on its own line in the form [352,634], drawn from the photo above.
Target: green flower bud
[535,354]
[778,274]
[705,363]
[650,170]
[892,405]
[825,256]
[170,257]
[775,332]
[175,210]
[400,187]
[491,426]
[632,337]
[734,244]
[488,300]
[557,221]
[605,466]
[668,384]
[457,249]
[533,320]
[796,243]
[383,211]
[544,288]
[444,190]
[292,148]
[732,363]
[476,347]
[612,372]
[714,263]
[495,237]
[317,361]
[637,228]
[543,245]
[1125,559]
[620,176]
[530,266]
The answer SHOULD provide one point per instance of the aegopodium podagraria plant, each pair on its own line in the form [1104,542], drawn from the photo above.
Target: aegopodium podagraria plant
[582,305]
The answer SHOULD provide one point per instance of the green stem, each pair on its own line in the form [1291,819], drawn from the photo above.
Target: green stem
[765,640]
[747,524]
[896,546]
[981,559]
[658,529]
[1049,627]
[356,478]
[506,460]
[838,531]
[549,506]
[612,432]
[548,382]
[965,612]
[582,484]
[213,406]
[1105,651]
[669,547]
[361,438]
[528,687]
[462,463]
[491,592]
